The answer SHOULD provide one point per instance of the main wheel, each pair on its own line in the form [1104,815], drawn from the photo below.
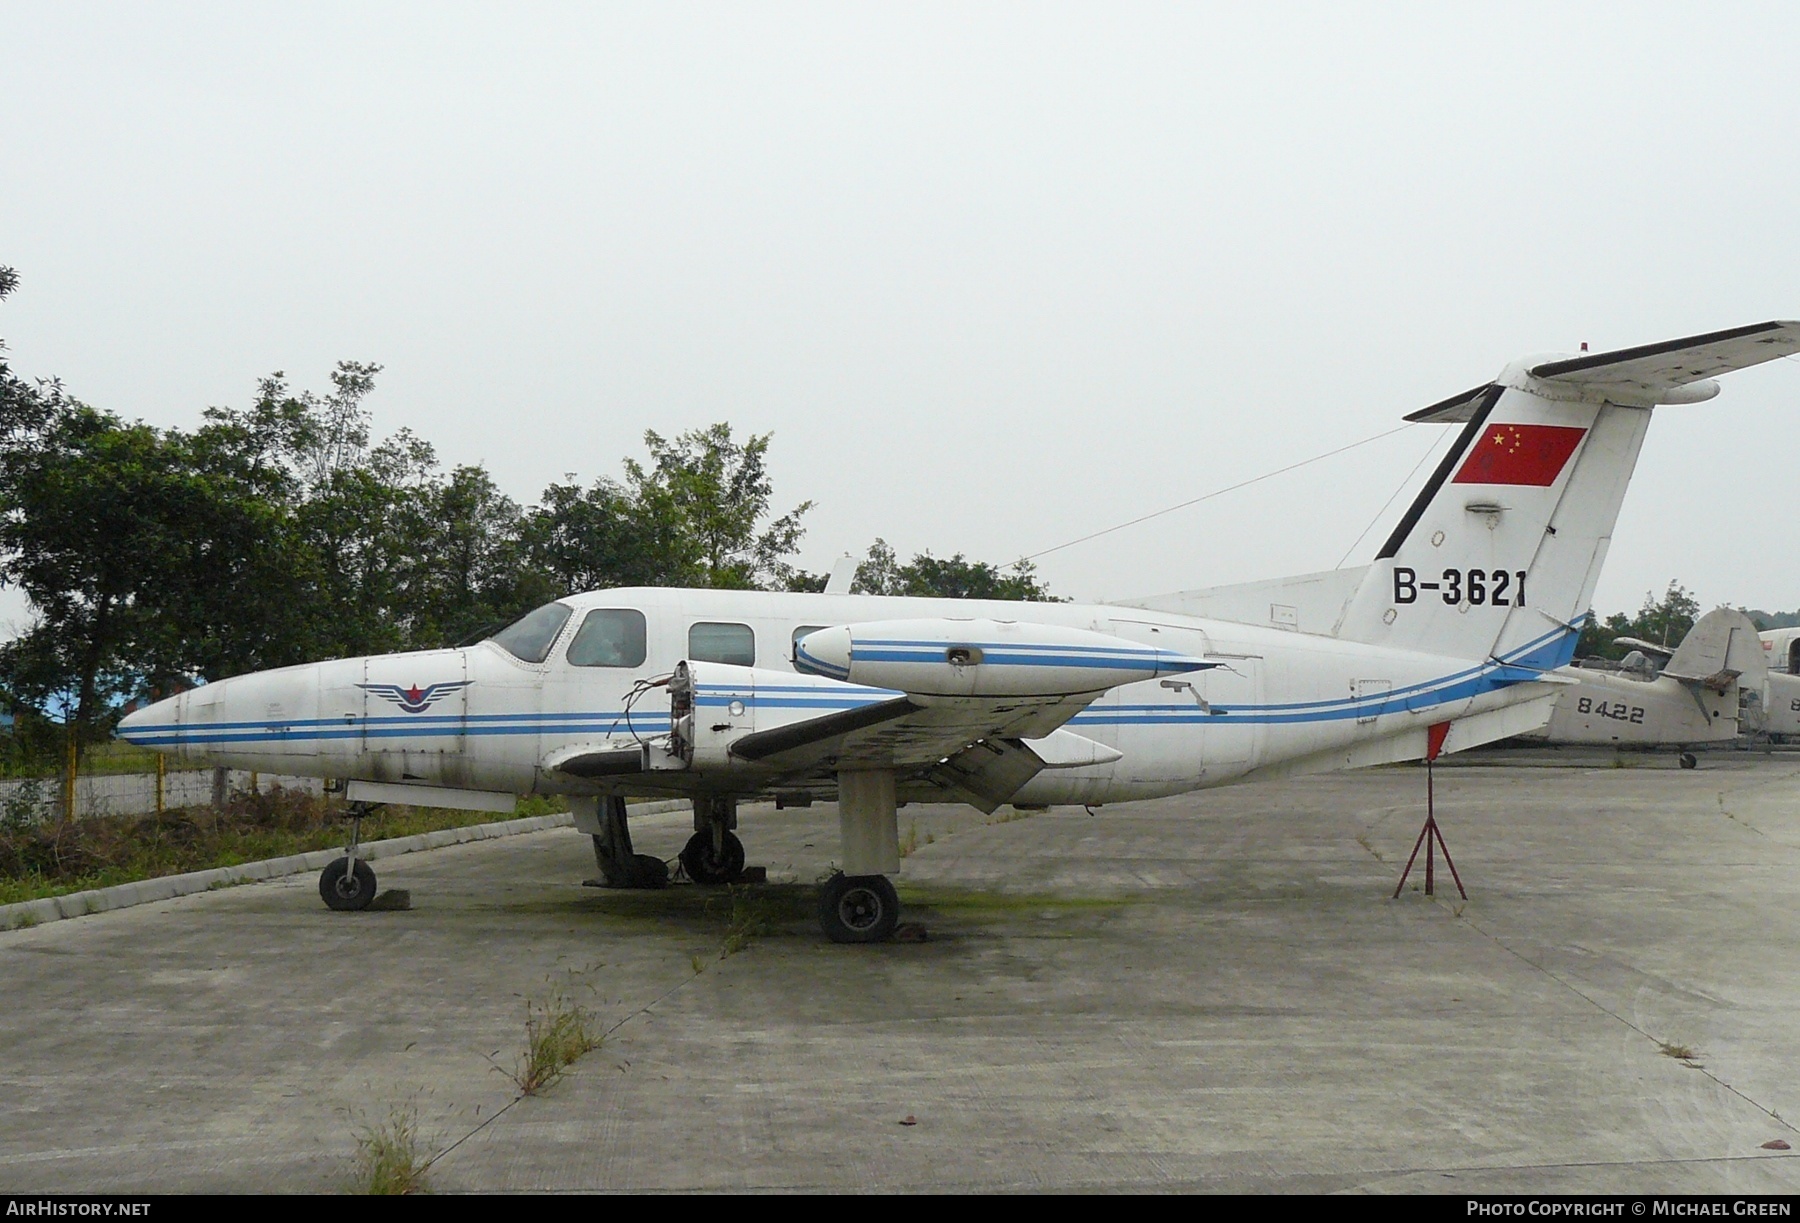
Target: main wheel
[1687,760]
[858,909]
[704,864]
[347,890]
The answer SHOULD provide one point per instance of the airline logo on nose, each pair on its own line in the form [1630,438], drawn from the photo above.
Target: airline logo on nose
[415,699]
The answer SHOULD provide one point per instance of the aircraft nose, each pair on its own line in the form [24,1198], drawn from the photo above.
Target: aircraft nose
[157,725]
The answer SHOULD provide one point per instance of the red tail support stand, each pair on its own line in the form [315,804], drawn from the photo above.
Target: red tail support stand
[1429,836]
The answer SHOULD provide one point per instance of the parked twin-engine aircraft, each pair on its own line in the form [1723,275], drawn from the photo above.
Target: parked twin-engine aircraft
[1779,715]
[1676,697]
[1448,640]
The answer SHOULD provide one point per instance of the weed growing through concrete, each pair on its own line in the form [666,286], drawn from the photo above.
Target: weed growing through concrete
[750,918]
[698,965]
[1007,817]
[391,1158]
[557,1034]
[1681,1053]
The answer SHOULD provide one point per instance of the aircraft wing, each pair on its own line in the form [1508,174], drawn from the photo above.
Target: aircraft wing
[1648,647]
[973,747]
[978,750]
[966,708]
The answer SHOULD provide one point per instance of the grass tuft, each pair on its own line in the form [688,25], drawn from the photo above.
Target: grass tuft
[391,1158]
[1681,1053]
[557,1035]
[752,916]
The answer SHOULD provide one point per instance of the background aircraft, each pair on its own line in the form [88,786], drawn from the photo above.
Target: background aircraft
[1666,697]
[1449,639]
[1778,715]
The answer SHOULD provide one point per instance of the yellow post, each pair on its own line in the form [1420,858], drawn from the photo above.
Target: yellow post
[69,781]
[159,782]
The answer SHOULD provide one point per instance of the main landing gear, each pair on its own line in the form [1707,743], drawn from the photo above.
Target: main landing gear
[713,855]
[348,883]
[860,905]
[620,866]
[858,909]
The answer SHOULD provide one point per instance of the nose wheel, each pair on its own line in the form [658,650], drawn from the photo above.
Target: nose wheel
[347,886]
[348,883]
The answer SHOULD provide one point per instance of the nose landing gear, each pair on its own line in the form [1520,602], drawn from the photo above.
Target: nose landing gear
[348,884]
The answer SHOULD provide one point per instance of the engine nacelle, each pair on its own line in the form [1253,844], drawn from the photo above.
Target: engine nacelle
[983,658]
[712,705]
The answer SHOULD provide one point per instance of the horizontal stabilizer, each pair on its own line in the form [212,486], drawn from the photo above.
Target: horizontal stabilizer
[1454,410]
[1721,647]
[1650,370]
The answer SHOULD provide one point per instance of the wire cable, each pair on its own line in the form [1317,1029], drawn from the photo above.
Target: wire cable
[1317,458]
[1398,489]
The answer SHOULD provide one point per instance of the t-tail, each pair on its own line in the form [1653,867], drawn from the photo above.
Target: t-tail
[1499,554]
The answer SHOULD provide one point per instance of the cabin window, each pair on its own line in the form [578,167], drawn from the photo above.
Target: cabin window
[732,643]
[794,643]
[529,638]
[609,637]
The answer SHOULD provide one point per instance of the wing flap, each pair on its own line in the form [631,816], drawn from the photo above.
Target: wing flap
[987,773]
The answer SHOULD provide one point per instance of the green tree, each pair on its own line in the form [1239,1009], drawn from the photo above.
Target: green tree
[1665,621]
[712,492]
[954,577]
[590,538]
[86,503]
[469,567]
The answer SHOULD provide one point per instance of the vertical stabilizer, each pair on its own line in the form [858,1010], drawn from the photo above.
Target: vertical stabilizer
[1499,554]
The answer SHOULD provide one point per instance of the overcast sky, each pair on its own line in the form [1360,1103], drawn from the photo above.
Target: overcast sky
[995,276]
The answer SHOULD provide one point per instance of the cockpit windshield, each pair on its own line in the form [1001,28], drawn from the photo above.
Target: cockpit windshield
[529,638]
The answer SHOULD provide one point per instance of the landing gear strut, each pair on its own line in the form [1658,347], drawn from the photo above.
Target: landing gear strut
[861,906]
[619,866]
[348,883]
[713,855]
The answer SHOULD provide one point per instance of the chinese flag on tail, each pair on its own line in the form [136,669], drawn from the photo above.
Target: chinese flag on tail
[1520,454]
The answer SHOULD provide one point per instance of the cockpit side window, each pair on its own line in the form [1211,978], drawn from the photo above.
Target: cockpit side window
[609,637]
[732,643]
[530,637]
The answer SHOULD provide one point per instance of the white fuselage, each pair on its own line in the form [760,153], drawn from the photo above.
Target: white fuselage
[481,719]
